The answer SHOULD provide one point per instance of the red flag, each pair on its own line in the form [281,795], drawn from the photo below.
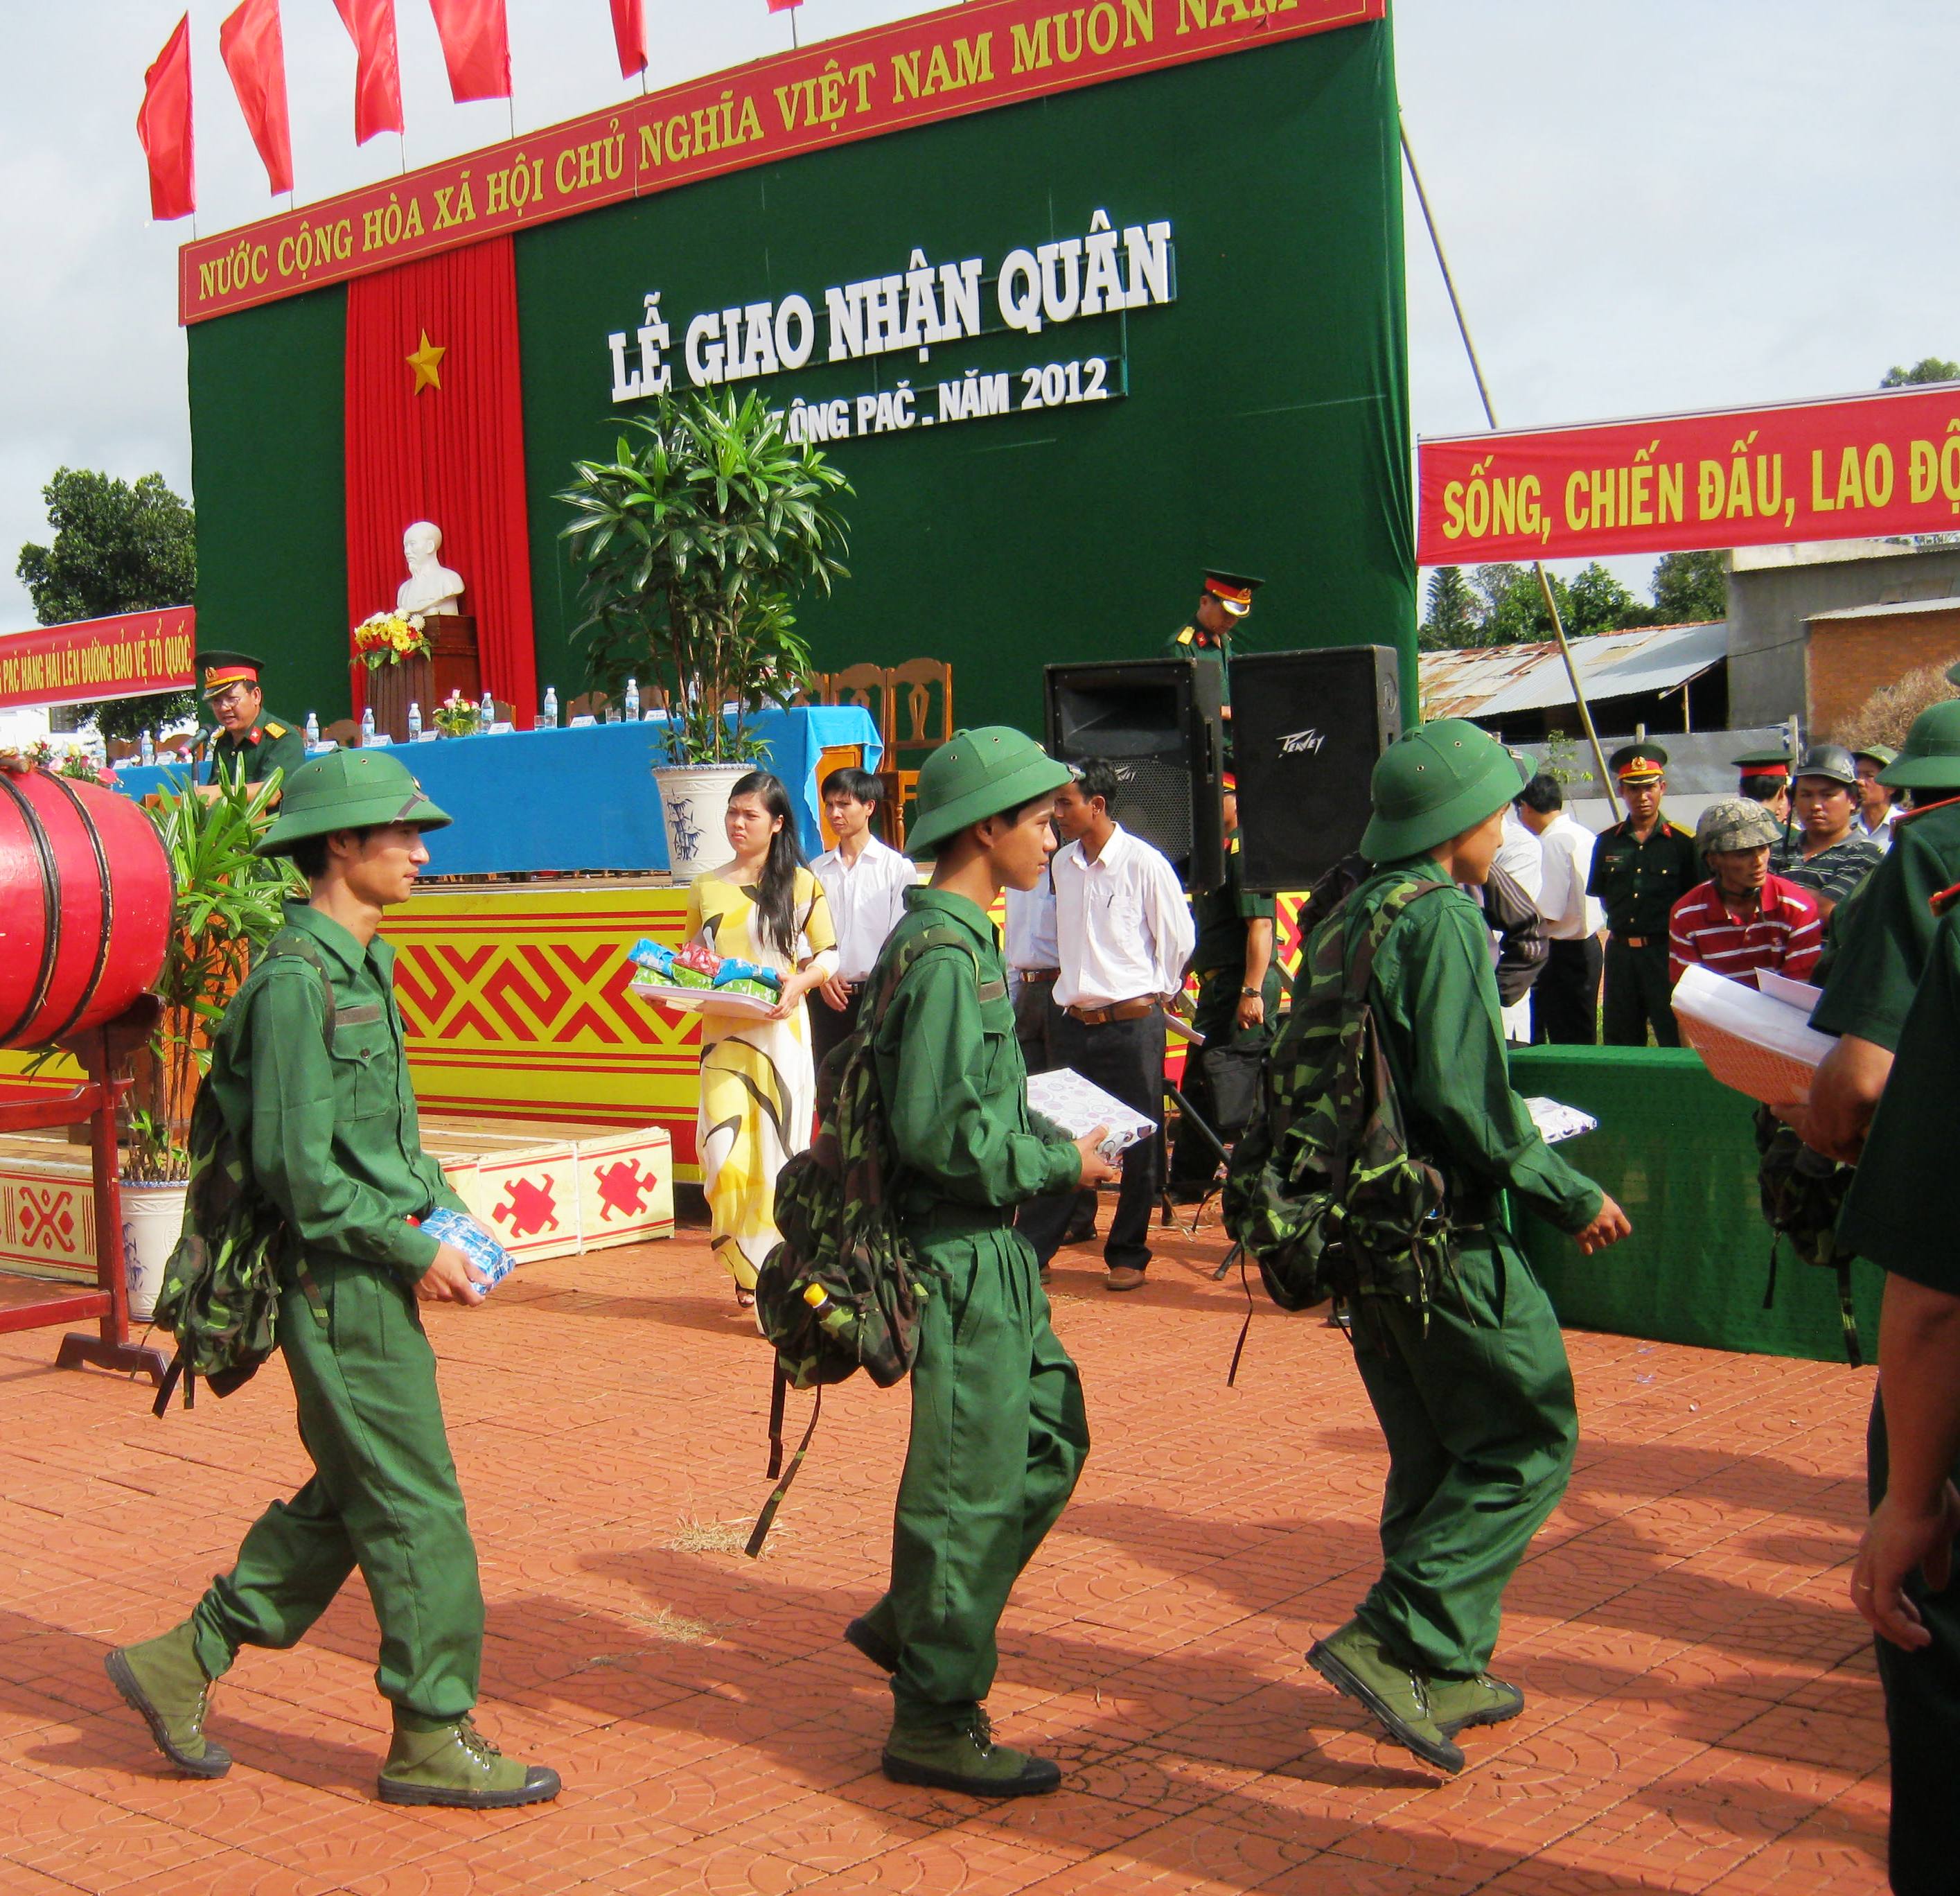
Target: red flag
[629,30]
[254,55]
[783,6]
[377,68]
[163,127]
[476,47]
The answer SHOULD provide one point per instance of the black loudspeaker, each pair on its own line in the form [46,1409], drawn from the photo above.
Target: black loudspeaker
[1306,728]
[1157,720]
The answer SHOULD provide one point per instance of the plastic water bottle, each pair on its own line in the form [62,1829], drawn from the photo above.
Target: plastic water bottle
[838,1321]
[415,721]
[312,731]
[486,713]
[146,749]
[367,725]
[547,718]
[632,701]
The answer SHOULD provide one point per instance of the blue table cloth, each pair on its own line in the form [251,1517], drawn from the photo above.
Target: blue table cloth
[584,799]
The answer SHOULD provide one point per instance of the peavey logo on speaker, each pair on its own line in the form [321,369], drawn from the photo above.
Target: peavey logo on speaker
[1293,744]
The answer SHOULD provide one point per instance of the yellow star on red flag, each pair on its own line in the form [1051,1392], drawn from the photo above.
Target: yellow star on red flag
[426,361]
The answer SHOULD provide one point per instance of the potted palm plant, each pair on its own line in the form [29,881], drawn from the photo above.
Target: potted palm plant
[694,541]
[229,903]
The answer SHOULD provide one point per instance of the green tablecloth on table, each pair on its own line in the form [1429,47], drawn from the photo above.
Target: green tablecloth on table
[1678,1152]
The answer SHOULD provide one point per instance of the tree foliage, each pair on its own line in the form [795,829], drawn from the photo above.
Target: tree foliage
[117,547]
[1451,618]
[1502,604]
[1928,368]
[1688,587]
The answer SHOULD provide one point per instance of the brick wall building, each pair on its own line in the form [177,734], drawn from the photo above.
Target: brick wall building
[1851,652]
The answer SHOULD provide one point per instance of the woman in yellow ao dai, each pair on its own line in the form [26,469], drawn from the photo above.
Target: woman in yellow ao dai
[758,1082]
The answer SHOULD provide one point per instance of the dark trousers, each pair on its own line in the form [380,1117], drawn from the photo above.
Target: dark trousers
[1035,1016]
[1568,994]
[1923,1720]
[828,1027]
[1637,994]
[1124,1058]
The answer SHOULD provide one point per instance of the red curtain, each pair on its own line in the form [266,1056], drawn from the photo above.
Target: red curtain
[451,451]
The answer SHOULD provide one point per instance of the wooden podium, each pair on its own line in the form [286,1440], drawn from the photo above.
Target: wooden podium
[427,682]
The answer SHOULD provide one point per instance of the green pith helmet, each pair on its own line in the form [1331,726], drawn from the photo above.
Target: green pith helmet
[1735,823]
[348,790]
[977,774]
[1433,783]
[1882,754]
[1931,758]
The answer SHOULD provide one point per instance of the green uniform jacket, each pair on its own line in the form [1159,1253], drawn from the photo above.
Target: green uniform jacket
[1435,1003]
[333,1138]
[1894,1214]
[272,744]
[1221,915]
[1888,935]
[951,1077]
[1638,882]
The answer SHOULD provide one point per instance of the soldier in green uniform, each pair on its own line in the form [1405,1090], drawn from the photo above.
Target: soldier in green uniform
[998,1433]
[248,737]
[330,1134]
[1238,992]
[1474,1395]
[1641,868]
[1765,780]
[1892,947]
[1224,600]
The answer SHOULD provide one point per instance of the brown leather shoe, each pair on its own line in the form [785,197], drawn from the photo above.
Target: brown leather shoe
[1125,1277]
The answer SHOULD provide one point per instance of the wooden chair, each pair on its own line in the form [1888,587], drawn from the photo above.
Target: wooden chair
[504,713]
[866,687]
[121,749]
[343,731]
[918,720]
[588,704]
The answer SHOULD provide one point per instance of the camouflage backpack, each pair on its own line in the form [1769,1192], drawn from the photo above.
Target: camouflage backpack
[840,1291]
[1324,1192]
[221,1293]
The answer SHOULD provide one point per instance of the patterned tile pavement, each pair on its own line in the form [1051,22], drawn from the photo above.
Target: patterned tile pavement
[1704,1713]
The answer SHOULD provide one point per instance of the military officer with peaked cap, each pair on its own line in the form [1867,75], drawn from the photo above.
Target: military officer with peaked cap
[1224,600]
[309,1070]
[249,741]
[1641,867]
[1473,1392]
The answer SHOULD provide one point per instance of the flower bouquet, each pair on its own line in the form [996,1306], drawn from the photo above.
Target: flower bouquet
[457,717]
[388,638]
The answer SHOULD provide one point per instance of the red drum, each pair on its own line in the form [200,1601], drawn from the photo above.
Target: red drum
[85,898]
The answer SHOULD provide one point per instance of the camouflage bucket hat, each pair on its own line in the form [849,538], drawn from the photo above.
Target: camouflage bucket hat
[1735,823]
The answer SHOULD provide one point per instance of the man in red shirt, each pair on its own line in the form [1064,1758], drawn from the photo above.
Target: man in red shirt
[1743,918]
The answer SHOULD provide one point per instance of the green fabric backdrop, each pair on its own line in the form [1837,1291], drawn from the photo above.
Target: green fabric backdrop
[1678,1152]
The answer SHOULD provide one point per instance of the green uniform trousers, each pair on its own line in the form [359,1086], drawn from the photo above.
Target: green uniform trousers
[998,1436]
[384,1497]
[1481,1425]
[1637,993]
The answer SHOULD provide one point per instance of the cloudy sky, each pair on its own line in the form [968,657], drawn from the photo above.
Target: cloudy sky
[1649,204]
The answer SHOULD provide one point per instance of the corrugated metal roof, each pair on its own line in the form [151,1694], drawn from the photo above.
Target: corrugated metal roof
[1492,682]
[1892,609]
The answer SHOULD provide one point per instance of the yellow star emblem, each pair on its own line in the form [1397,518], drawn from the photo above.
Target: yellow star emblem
[425,361]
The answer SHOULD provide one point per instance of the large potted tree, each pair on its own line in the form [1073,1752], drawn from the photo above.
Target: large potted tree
[693,541]
[229,903]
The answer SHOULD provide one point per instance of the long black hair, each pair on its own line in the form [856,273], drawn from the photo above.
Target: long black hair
[775,894]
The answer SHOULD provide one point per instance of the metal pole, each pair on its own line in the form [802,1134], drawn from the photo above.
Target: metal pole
[1490,415]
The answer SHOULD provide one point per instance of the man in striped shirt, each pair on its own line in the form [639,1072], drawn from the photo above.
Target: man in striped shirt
[1831,855]
[1742,918]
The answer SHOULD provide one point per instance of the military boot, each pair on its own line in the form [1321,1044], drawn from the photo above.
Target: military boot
[1456,1704]
[162,1679]
[963,1757]
[1357,1664]
[438,1761]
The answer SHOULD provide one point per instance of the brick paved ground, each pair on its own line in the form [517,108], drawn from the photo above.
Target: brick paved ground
[1704,1714]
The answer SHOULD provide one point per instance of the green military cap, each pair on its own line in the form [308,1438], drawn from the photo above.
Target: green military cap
[1931,758]
[217,671]
[348,790]
[976,775]
[1830,760]
[1641,763]
[1879,754]
[1433,783]
[1953,675]
[1734,822]
[1763,764]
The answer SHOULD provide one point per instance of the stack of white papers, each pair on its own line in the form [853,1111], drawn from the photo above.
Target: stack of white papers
[1760,1043]
[1078,1106]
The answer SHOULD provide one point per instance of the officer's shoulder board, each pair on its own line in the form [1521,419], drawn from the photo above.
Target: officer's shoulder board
[273,728]
[1675,829]
[1185,635]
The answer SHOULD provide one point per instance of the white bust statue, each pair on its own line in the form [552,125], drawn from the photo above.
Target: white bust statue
[431,587]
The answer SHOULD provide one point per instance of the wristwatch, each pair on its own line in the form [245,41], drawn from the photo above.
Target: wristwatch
[1249,993]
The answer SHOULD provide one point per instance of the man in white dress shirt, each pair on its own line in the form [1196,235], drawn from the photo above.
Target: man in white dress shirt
[1568,990]
[1123,934]
[865,884]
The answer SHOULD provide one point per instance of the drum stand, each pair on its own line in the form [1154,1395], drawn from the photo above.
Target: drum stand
[103,1053]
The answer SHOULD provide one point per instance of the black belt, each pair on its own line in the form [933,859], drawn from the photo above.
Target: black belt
[943,1218]
[1637,941]
[1037,974]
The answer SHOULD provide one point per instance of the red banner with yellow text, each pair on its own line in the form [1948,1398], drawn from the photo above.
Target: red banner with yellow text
[937,65]
[90,659]
[1851,468]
